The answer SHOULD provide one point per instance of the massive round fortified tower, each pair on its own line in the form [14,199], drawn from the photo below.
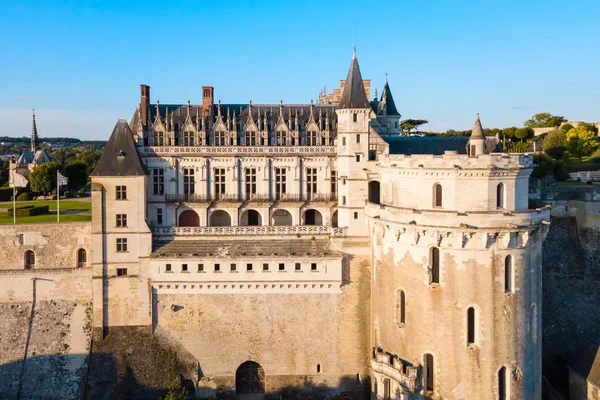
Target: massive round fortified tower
[456,285]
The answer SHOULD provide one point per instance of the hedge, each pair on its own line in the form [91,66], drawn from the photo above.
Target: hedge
[29,211]
[25,196]
[6,194]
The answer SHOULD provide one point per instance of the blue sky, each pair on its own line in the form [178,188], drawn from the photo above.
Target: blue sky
[80,63]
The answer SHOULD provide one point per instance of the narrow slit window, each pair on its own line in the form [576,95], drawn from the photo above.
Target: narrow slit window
[471,326]
[434,262]
[508,274]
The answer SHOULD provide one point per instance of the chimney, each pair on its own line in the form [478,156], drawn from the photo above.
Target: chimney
[145,103]
[208,99]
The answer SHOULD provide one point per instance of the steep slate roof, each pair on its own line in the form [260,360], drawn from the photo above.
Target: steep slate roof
[240,248]
[587,361]
[120,157]
[427,145]
[477,132]
[387,100]
[354,95]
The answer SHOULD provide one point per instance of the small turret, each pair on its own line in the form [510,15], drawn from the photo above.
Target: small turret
[477,140]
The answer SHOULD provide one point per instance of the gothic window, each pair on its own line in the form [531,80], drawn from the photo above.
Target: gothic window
[500,195]
[251,138]
[81,258]
[437,195]
[280,138]
[280,183]
[502,384]
[219,138]
[219,183]
[428,370]
[470,326]
[250,183]
[189,186]
[158,138]
[311,138]
[311,182]
[434,264]
[188,138]
[158,179]
[508,274]
[121,193]
[29,259]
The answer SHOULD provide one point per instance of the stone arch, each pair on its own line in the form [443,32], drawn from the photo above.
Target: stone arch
[250,218]
[189,218]
[312,217]
[334,219]
[281,217]
[249,378]
[220,218]
[374,192]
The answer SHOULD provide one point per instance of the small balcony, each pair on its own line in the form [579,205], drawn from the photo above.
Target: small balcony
[229,197]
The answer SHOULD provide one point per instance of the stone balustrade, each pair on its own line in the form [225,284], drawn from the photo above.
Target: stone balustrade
[314,230]
[226,150]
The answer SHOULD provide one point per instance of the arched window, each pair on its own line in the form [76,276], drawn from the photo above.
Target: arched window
[508,274]
[401,307]
[29,259]
[81,258]
[500,195]
[437,195]
[374,192]
[434,264]
[502,384]
[470,326]
[428,372]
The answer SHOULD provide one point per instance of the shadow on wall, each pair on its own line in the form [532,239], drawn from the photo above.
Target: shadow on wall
[44,377]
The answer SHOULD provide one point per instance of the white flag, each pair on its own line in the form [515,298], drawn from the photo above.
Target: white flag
[19,180]
[62,180]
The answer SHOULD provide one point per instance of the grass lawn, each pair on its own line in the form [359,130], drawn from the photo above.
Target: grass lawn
[572,184]
[64,204]
[51,217]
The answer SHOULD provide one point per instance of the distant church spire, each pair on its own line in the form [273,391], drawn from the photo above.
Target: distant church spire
[34,135]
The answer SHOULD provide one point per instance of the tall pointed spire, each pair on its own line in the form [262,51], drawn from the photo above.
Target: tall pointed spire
[477,132]
[35,141]
[354,95]
[387,101]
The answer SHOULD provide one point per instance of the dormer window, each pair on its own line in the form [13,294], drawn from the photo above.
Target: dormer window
[188,138]
[311,138]
[280,138]
[219,138]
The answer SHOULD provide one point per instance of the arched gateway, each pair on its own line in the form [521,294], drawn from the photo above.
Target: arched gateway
[249,381]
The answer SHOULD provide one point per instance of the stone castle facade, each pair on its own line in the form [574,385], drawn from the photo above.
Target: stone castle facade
[284,245]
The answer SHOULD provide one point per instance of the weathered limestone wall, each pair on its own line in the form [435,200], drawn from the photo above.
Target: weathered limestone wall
[55,244]
[287,334]
[506,334]
[45,312]
[571,272]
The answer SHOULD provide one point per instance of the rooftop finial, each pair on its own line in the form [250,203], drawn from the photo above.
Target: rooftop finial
[354,40]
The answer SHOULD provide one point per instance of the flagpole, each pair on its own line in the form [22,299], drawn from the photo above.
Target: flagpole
[14,199]
[57,199]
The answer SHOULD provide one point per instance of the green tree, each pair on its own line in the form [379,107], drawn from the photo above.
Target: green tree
[43,178]
[555,143]
[509,133]
[523,133]
[566,128]
[544,120]
[407,125]
[582,141]
[589,127]
[76,171]
[543,166]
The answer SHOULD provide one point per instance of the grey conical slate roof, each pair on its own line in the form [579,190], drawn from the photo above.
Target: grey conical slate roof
[354,95]
[477,132]
[388,100]
[120,157]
